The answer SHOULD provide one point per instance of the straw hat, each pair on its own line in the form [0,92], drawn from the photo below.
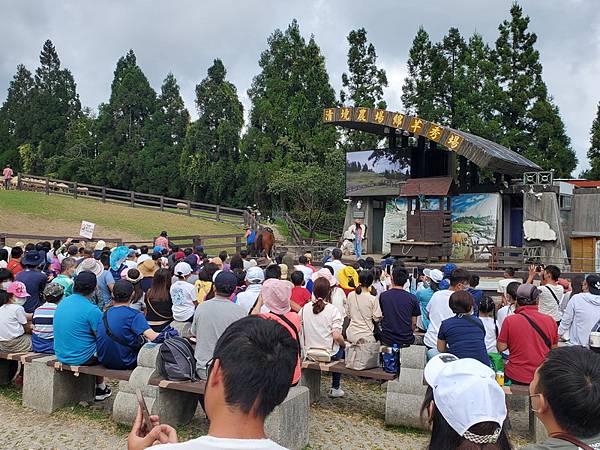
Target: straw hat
[148,268]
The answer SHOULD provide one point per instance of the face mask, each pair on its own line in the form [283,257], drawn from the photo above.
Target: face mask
[426,284]
[19,301]
[4,285]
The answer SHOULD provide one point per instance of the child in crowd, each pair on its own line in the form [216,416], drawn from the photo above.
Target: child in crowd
[487,314]
[183,294]
[138,299]
[6,277]
[14,329]
[463,335]
[65,279]
[300,295]
[42,336]
[509,299]
[475,293]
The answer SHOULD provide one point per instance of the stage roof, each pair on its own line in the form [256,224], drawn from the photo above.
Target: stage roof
[484,153]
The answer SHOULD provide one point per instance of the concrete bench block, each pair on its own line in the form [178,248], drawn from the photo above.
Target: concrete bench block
[148,355]
[288,423]
[413,357]
[410,381]
[184,328]
[46,389]
[403,410]
[311,379]
[537,428]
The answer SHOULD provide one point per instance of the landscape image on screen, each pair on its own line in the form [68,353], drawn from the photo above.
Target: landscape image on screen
[370,174]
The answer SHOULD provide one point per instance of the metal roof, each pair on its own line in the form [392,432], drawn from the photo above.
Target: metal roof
[434,187]
[484,153]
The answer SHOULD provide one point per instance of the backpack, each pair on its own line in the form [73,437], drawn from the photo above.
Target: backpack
[176,361]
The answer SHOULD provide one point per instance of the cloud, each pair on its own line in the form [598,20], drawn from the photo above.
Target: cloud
[184,36]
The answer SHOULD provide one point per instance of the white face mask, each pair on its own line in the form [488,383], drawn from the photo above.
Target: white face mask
[19,301]
[4,285]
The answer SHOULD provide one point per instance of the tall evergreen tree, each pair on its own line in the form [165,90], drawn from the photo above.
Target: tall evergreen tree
[15,117]
[532,124]
[54,103]
[593,154]
[121,132]
[158,160]
[450,97]
[288,97]
[362,86]
[210,161]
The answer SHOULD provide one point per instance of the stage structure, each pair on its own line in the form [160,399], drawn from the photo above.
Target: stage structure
[492,190]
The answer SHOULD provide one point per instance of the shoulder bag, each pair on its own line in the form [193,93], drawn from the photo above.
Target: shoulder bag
[572,439]
[136,346]
[362,355]
[539,331]
[553,294]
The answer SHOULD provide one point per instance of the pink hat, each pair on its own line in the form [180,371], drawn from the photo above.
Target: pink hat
[324,273]
[17,289]
[276,295]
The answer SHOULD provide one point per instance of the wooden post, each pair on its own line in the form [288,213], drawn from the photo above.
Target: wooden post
[189,208]
[47,186]
[103,194]
[162,203]
[75,189]
[132,199]
[3,240]
[19,182]
[218,212]
[238,243]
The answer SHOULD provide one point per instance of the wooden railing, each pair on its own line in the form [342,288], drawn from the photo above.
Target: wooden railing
[25,182]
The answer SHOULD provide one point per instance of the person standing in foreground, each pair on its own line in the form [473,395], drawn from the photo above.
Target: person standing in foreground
[565,395]
[236,411]
[582,312]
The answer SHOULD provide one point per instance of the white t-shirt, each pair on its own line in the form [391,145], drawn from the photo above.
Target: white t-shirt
[143,258]
[503,313]
[547,304]
[438,310]
[183,295]
[490,334]
[336,265]
[338,299]
[247,299]
[317,329]
[210,442]
[306,271]
[503,284]
[130,264]
[12,319]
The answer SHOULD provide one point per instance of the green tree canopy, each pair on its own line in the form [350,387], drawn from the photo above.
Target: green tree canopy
[593,153]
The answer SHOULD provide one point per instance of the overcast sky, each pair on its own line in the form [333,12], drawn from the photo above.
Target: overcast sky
[184,37]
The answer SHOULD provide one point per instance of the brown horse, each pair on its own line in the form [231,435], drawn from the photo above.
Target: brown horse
[265,242]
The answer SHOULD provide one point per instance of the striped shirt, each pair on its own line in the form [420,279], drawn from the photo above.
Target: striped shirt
[43,321]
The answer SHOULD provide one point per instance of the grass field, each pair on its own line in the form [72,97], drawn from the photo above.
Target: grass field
[37,213]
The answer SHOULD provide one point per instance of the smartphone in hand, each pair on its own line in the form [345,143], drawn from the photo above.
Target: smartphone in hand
[146,422]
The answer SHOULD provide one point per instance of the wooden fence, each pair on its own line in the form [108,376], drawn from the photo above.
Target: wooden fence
[209,242]
[25,182]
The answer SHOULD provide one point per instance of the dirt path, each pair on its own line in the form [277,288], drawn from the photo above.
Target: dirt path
[23,429]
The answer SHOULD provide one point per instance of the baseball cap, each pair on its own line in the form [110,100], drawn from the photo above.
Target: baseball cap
[528,291]
[122,290]
[435,274]
[53,290]
[225,282]
[255,275]
[182,269]
[465,392]
[593,282]
[17,289]
[85,281]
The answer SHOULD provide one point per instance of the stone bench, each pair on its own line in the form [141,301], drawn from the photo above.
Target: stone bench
[517,398]
[9,364]
[175,402]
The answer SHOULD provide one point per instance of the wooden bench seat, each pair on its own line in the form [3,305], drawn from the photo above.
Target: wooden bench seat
[193,387]
[516,389]
[97,370]
[22,356]
[340,367]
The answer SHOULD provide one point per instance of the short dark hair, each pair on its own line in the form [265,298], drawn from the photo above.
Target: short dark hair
[459,276]
[461,302]
[143,250]
[3,254]
[297,278]
[187,251]
[16,252]
[273,271]
[105,259]
[223,255]
[474,281]
[6,275]
[236,262]
[248,350]
[175,248]
[302,259]
[244,254]
[336,253]
[511,289]
[370,262]
[553,271]
[30,246]
[510,271]
[163,233]
[399,276]
[569,379]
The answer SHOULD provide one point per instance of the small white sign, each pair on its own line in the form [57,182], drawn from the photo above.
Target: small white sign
[87,229]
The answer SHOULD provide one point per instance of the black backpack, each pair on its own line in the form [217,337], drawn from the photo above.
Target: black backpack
[176,361]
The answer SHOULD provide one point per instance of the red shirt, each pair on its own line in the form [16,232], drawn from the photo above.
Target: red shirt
[527,348]
[300,295]
[14,266]
[295,319]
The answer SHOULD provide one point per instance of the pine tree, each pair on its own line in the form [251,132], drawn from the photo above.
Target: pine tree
[363,86]
[288,97]
[531,123]
[453,88]
[15,117]
[121,132]
[54,103]
[593,154]
[210,161]
[165,133]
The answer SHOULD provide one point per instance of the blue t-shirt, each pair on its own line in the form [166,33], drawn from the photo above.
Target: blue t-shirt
[127,324]
[398,308]
[424,295]
[75,325]
[35,282]
[476,294]
[465,338]
[103,281]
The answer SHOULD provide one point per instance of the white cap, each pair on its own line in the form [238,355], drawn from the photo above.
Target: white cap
[254,275]
[465,391]
[182,269]
[215,275]
[435,274]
